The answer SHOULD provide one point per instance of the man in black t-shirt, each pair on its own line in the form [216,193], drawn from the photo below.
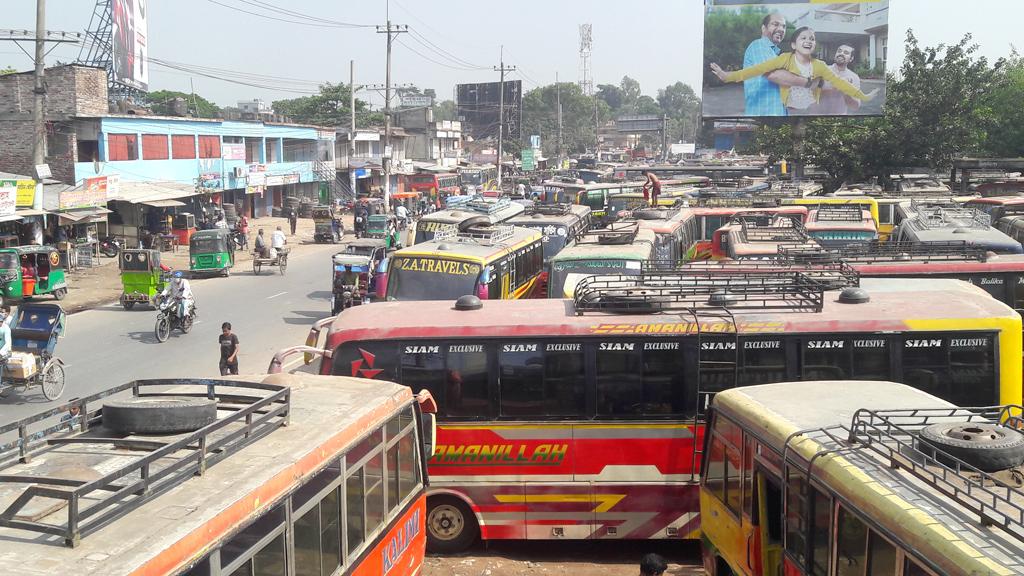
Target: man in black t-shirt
[228,350]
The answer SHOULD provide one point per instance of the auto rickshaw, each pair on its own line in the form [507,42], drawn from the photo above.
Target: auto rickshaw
[373,248]
[385,226]
[27,271]
[342,293]
[142,277]
[327,227]
[211,252]
[34,333]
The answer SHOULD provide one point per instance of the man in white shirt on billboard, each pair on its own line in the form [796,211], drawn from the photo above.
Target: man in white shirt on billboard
[832,101]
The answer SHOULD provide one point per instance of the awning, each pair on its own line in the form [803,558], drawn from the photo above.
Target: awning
[10,218]
[31,212]
[162,203]
[144,192]
[84,216]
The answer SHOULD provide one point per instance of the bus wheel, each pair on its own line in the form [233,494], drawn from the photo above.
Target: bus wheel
[988,447]
[451,526]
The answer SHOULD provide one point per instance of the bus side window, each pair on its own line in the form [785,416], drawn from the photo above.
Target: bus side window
[851,544]
[764,361]
[881,556]
[542,383]
[797,512]
[725,464]
[423,367]
[257,545]
[466,380]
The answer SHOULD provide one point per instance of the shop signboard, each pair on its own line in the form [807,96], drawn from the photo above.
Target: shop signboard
[8,197]
[211,180]
[232,151]
[275,179]
[92,193]
[26,193]
[256,182]
[529,162]
[291,178]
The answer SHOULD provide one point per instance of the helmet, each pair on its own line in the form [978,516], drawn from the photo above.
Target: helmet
[178,274]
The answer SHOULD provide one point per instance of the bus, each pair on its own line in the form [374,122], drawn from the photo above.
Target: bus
[835,225]
[434,187]
[622,248]
[560,224]
[478,178]
[489,262]
[284,475]
[870,204]
[944,225]
[672,194]
[998,206]
[675,230]
[583,418]
[594,196]
[712,215]
[859,478]
[758,235]
[465,211]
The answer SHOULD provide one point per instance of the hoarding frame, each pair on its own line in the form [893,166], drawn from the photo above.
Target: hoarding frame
[129,50]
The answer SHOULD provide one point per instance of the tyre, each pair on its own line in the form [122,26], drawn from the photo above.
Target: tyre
[451,525]
[159,415]
[52,380]
[987,447]
[186,324]
[282,262]
[163,328]
[60,293]
[255,266]
[125,303]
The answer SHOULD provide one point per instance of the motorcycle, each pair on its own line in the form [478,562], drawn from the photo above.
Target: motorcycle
[236,240]
[359,226]
[111,246]
[344,300]
[167,318]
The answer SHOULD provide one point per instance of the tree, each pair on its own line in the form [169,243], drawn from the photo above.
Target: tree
[7,70]
[328,108]
[630,92]
[1006,135]
[612,96]
[540,116]
[680,103]
[444,110]
[161,103]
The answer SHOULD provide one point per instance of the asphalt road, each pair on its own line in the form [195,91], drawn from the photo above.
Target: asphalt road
[109,346]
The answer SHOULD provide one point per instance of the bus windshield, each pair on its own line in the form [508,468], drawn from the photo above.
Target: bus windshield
[566,275]
[431,279]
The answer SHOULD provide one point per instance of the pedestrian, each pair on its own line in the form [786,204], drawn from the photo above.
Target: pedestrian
[293,219]
[243,229]
[228,350]
[652,565]
[5,310]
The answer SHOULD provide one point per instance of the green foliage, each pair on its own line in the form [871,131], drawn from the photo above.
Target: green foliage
[444,110]
[7,70]
[540,116]
[727,35]
[630,89]
[612,96]
[328,108]
[946,103]
[161,103]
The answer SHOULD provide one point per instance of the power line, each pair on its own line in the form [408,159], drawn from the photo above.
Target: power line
[277,19]
[441,51]
[429,59]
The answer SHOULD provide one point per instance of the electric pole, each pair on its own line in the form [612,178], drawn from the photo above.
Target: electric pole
[352,127]
[558,111]
[39,90]
[391,31]
[501,107]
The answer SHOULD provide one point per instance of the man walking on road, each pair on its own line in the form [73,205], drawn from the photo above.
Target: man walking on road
[293,219]
[228,350]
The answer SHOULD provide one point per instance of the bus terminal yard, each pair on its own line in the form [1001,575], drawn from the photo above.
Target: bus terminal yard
[735,381]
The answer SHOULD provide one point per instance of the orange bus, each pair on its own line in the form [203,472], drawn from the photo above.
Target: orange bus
[712,216]
[582,419]
[283,475]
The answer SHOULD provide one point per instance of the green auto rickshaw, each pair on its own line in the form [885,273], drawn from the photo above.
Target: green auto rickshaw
[385,226]
[142,276]
[27,271]
[211,252]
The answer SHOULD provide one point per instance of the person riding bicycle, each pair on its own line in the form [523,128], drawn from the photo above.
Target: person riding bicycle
[180,290]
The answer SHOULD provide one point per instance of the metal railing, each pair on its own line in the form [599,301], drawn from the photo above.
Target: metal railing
[90,504]
[892,251]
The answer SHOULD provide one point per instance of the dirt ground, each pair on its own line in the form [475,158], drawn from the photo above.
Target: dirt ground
[587,558]
[100,285]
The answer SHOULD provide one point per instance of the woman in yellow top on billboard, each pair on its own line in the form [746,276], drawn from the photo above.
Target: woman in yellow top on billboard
[801,61]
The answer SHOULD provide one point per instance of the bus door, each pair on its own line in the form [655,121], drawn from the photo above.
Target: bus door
[505,273]
[767,553]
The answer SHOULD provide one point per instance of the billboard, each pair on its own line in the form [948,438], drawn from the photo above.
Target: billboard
[477,105]
[794,58]
[129,43]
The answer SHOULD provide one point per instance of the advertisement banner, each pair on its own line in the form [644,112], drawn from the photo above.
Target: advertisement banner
[8,197]
[129,43]
[794,58]
[529,160]
[26,193]
[275,180]
[291,178]
[92,193]
[255,182]
[232,151]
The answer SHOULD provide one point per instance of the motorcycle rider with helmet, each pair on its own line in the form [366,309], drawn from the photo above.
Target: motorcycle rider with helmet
[180,290]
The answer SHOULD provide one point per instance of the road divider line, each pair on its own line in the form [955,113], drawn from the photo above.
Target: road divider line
[276,295]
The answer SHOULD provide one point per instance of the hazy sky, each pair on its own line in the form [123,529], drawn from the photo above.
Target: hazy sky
[655,41]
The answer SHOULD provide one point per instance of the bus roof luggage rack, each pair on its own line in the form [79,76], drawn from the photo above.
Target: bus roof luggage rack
[738,201]
[247,411]
[550,209]
[839,213]
[614,233]
[780,228]
[487,205]
[875,251]
[899,438]
[937,217]
[686,291]
[478,235]
[832,275]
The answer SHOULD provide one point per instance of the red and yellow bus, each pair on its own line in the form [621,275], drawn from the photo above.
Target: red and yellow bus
[581,418]
[859,478]
[488,262]
[711,218]
[434,187]
[283,475]
[753,235]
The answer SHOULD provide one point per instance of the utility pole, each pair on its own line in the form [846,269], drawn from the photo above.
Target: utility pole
[391,31]
[352,127]
[501,107]
[558,106]
[39,90]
